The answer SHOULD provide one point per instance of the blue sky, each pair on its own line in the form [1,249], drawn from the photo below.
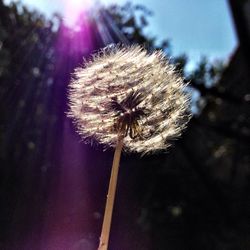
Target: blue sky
[194,27]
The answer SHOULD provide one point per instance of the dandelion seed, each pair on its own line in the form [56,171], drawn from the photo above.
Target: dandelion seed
[128,99]
[128,82]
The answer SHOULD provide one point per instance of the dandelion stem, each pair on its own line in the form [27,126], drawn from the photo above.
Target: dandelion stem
[111,196]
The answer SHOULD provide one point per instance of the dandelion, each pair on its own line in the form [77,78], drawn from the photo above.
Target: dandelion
[128,99]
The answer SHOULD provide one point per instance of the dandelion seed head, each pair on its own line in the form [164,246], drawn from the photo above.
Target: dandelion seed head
[128,91]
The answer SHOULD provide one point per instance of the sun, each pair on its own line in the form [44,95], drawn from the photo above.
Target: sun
[73,9]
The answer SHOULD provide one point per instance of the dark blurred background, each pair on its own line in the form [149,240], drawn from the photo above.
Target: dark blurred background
[53,187]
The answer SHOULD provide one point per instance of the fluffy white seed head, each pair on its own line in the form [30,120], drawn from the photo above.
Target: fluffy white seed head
[125,90]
